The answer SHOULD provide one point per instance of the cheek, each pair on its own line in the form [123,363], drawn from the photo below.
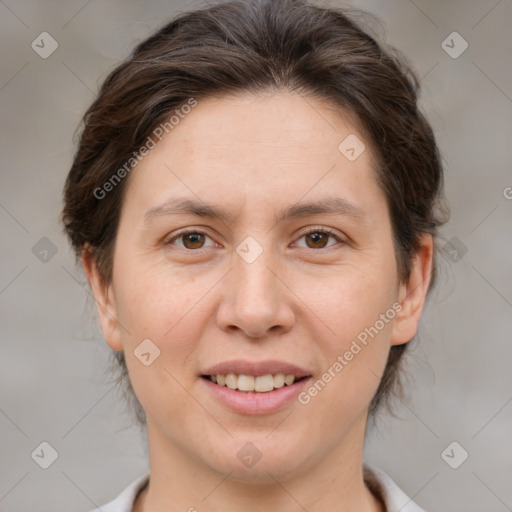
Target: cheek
[168,309]
[358,310]
[354,300]
[155,301]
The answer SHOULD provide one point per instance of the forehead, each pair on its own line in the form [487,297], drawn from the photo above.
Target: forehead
[288,122]
[283,145]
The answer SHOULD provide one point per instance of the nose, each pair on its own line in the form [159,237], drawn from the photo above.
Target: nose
[255,299]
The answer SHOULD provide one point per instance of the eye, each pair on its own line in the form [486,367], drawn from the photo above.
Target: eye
[317,238]
[192,239]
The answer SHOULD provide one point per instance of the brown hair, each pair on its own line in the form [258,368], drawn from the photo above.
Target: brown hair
[239,46]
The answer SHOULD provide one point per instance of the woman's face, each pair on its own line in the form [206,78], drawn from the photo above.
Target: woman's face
[311,293]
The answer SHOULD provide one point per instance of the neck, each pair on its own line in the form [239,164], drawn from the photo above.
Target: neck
[180,481]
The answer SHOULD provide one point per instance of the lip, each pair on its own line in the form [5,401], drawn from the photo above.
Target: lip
[256,403]
[256,368]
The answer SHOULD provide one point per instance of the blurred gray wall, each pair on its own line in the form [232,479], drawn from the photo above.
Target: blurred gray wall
[55,385]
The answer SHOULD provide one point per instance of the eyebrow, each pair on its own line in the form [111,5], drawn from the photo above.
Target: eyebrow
[184,206]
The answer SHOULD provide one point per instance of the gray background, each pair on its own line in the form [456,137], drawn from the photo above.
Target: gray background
[55,384]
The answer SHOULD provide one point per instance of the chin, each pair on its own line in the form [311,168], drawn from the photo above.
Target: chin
[259,461]
[263,472]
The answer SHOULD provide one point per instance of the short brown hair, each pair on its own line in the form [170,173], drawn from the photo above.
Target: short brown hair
[252,46]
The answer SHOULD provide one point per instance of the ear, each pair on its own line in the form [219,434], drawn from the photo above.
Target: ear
[412,295]
[105,301]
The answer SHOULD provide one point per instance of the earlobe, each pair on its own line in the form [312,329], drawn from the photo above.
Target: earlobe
[412,295]
[105,301]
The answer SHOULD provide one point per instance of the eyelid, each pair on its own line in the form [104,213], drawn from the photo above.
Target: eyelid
[314,229]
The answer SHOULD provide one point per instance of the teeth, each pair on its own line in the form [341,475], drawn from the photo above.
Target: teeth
[263,383]
[288,380]
[245,383]
[260,384]
[231,381]
[279,380]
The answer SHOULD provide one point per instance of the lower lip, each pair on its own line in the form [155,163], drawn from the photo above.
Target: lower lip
[256,403]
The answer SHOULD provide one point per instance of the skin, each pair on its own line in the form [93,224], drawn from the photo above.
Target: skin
[301,301]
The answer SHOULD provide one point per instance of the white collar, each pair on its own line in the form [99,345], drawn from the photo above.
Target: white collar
[393,497]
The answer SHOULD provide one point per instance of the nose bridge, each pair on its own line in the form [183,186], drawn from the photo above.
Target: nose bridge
[252,274]
[255,300]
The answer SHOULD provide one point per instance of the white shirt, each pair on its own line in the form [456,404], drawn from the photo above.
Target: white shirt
[377,480]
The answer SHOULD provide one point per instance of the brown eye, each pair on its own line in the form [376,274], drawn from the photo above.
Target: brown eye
[318,238]
[193,240]
[190,240]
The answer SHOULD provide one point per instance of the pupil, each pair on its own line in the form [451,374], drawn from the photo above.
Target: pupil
[318,238]
[194,238]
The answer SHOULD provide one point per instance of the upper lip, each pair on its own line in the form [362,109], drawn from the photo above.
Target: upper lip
[256,368]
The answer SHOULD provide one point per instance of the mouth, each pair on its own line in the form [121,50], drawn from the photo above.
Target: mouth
[252,384]
[255,387]
[261,390]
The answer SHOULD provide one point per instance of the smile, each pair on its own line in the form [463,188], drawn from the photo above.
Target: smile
[252,402]
[254,384]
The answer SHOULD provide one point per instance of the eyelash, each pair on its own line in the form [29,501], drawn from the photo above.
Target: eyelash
[311,230]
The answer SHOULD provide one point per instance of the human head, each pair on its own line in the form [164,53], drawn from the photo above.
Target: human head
[255,47]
